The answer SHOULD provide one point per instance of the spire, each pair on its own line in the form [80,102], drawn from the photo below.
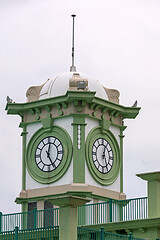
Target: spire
[73,68]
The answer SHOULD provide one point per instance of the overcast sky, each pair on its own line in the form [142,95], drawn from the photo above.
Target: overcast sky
[116,42]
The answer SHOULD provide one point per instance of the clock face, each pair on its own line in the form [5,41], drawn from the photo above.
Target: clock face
[102,155]
[49,154]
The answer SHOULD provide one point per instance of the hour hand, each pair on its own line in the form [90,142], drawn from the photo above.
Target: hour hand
[103,154]
[48,154]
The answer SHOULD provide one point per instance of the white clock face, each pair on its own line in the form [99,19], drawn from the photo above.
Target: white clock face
[49,154]
[102,155]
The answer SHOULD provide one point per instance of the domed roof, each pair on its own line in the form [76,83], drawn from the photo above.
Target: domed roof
[71,81]
[63,82]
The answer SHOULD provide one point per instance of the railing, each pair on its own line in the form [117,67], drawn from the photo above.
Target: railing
[29,220]
[113,211]
[85,234]
[110,211]
[114,236]
[50,233]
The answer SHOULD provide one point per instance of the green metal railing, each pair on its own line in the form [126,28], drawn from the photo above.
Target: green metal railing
[29,220]
[50,233]
[85,234]
[110,211]
[113,211]
[114,236]
[8,235]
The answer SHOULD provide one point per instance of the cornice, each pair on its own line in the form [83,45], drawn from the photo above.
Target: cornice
[73,102]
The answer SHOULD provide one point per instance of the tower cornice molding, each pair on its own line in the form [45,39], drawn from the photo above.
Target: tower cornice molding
[72,102]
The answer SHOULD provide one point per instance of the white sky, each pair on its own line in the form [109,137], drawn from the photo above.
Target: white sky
[117,42]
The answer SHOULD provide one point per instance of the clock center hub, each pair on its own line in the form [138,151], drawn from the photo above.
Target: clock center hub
[102,155]
[49,154]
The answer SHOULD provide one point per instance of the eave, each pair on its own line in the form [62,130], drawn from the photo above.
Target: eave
[76,98]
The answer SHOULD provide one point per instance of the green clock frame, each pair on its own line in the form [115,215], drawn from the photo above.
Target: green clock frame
[111,176]
[34,171]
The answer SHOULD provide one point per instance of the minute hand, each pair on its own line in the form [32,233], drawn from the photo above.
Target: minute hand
[49,148]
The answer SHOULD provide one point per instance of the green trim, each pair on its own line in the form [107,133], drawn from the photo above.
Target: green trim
[153,179]
[24,133]
[121,159]
[70,96]
[71,114]
[126,112]
[24,218]
[24,207]
[78,150]
[34,171]
[105,124]
[47,123]
[111,176]
[151,176]
[79,99]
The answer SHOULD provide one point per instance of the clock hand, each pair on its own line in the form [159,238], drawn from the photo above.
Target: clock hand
[105,161]
[48,155]
[53,164]
[103,154]
[104,157]
[49,148]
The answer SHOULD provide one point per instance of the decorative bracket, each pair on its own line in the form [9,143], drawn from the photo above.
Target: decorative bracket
[59,107]
[48,108]
[79,105]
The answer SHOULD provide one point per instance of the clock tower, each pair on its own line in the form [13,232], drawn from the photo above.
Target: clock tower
[72,140]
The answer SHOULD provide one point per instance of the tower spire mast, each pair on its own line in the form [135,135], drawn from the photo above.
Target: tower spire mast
[73,68]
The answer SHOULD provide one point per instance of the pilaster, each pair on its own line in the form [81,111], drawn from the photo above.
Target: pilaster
[68,215]
[153,184]
[78,148]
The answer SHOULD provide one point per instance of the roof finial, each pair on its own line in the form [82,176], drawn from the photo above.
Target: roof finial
[73,68]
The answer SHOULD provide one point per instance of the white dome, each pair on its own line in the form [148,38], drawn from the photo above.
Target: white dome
[60,85]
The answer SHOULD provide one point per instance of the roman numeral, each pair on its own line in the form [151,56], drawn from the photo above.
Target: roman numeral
[95,161]
[110,164]
[60,152]
[53,165]
[107,168]
[94,145]
[58,159]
